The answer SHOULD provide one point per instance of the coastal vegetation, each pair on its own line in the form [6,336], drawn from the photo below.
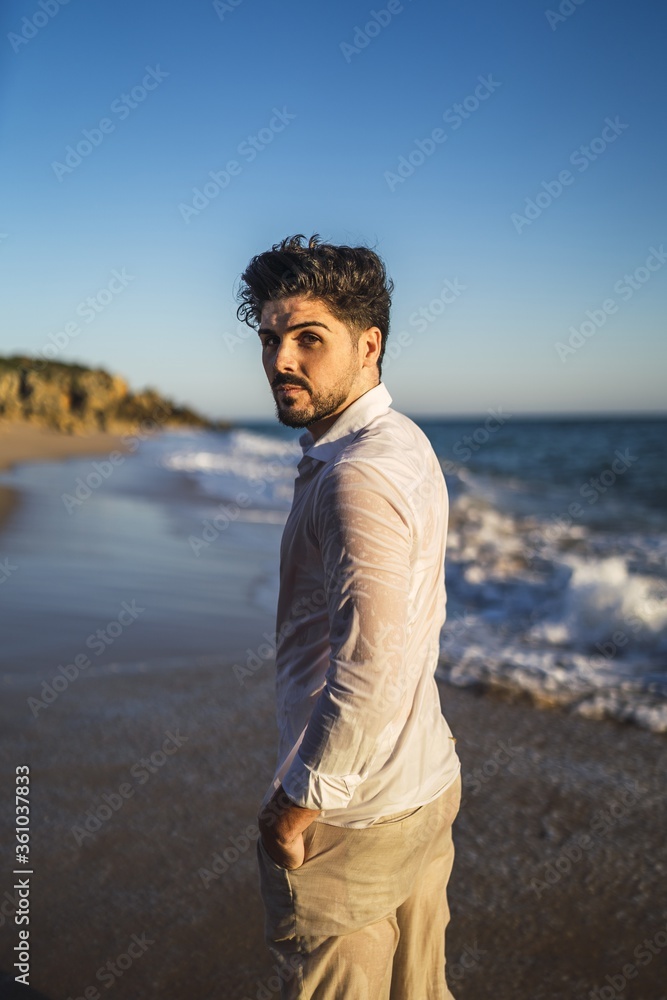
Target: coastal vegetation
[77,399]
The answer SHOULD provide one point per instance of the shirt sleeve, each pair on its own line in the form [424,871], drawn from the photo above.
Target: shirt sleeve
[365,543]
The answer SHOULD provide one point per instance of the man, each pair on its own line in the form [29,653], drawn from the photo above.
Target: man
[355,849]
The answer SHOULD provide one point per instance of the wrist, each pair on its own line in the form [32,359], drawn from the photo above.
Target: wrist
[283,820]
[276,829]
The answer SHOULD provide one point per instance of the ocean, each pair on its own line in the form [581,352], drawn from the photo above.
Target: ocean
[556,566]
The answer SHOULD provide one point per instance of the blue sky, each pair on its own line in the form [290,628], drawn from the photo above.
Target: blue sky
[170,92]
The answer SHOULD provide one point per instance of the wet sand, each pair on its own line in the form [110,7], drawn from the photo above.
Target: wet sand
[20,442]
[144,791]
[145,780]
[25,443]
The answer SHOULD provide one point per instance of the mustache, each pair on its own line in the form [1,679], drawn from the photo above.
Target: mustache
[283,380]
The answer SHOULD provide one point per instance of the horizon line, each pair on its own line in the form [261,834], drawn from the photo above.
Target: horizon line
[521,415]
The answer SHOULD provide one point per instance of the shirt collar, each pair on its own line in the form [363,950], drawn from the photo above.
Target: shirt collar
[355,416]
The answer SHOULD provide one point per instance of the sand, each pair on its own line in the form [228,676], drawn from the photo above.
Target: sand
[171,857]
[144,788]
[26,443]
[21,442]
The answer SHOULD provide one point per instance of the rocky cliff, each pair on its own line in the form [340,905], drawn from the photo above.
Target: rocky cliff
[74,398]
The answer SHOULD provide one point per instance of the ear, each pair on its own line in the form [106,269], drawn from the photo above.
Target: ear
[370,345]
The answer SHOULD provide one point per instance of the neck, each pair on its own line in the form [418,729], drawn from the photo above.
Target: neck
[320,427]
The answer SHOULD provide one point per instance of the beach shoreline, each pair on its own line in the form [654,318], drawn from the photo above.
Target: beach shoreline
[146,773]
[22,442]
[560,853]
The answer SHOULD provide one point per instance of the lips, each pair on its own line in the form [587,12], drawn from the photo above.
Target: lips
[289,389]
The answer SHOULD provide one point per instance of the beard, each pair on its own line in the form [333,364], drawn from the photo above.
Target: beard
[306,409]
[298,413]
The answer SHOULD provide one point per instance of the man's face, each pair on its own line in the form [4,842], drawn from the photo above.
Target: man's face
[314,366]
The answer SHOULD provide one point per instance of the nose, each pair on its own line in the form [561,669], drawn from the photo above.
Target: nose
[284,359]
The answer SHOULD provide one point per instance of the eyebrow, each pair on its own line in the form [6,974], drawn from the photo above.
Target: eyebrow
[295,326]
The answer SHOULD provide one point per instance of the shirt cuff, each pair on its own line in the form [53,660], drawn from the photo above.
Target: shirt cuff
[313,790]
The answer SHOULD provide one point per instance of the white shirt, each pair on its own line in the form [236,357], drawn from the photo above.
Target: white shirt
[361,606]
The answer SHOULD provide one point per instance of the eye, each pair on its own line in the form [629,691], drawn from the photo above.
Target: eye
[310,338]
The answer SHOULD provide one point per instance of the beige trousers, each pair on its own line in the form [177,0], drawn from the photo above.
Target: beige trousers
[364,917]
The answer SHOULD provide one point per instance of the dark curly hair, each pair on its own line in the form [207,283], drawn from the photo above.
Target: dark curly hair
[351,280]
